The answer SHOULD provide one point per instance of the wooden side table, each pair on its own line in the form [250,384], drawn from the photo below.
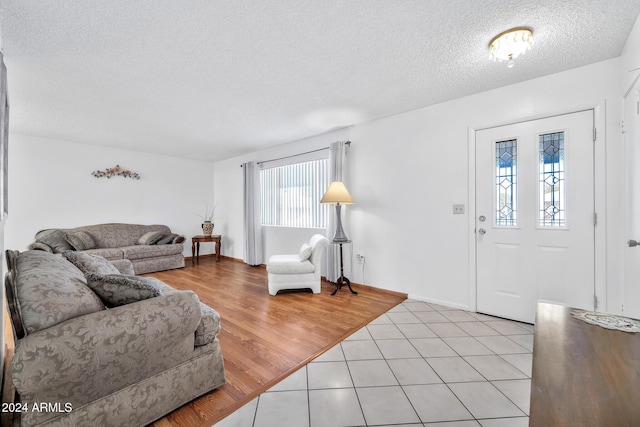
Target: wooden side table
[195,246]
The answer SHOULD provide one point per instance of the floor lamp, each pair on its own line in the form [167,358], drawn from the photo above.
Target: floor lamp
[338,195]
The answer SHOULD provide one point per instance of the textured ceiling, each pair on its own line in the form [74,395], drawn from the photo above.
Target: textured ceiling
[209,79]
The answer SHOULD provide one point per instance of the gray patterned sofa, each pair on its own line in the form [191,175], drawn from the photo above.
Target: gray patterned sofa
[149,247]
[125,365]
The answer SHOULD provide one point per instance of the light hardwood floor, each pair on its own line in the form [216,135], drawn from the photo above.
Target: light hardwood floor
[266,338]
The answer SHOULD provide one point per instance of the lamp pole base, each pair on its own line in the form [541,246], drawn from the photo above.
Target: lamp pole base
[339,235]
[342,280]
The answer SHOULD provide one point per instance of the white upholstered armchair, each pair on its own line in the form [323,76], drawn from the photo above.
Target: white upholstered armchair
[298,271]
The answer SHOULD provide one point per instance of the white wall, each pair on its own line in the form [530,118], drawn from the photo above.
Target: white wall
[51,186]
[408,170]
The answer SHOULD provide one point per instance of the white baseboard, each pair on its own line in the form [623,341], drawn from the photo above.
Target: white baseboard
[439,302]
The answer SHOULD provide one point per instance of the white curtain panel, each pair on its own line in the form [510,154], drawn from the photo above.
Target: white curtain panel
[337,172]
[252,228]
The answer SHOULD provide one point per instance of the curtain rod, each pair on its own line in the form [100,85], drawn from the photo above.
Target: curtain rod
[348,143]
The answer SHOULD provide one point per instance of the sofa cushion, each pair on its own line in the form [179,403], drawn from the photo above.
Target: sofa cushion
[88,263]
[119,289]
[110,254]
[119,235]
[51,290]
[153,251]
[150,238]
[80,240]
[289,264]
[55,239]
[209,325]
[124,266]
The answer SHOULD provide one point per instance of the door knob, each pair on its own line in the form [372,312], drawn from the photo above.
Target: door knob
[482,231]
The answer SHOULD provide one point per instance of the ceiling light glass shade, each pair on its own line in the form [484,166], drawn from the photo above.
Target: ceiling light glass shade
[510,44]
[337,194]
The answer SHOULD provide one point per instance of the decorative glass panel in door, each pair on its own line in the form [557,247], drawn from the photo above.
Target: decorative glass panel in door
[506,182]
[551,208]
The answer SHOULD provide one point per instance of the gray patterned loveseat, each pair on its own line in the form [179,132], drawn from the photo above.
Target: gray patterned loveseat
[126,358]
[149,247]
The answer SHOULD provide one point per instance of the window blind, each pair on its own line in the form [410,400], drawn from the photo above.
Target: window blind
[290,194]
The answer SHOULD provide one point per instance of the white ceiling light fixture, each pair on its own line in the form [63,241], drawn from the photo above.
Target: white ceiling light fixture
[510,44]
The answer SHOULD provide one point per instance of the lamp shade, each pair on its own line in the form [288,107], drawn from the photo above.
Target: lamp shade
[337,194]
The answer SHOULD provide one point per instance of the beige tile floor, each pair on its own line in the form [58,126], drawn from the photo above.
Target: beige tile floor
[419,364]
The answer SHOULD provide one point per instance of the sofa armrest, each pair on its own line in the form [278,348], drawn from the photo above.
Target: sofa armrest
[93,355]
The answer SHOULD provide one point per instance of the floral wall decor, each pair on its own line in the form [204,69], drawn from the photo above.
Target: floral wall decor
[116,170]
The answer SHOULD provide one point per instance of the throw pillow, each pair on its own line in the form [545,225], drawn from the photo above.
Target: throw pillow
[119,289]
[166,240]
[305,251]
[39,246]
[55,240]
[178,239]
[80,240]
[88,263]
[150,238]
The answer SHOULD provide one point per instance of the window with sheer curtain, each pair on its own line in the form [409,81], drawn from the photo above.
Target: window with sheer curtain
[290,194]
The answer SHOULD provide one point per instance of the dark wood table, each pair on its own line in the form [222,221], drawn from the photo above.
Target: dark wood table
[583,375]
[195,246]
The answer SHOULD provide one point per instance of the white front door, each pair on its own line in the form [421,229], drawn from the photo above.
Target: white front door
[535,215]
[631,303]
